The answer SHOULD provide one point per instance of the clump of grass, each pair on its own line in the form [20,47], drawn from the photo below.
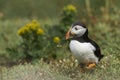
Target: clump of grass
[107,69]
[39,71]
[64,69]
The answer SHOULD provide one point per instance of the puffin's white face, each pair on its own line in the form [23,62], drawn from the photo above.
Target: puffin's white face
[78,30]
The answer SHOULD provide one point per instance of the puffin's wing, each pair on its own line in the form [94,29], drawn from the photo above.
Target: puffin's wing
[97,50]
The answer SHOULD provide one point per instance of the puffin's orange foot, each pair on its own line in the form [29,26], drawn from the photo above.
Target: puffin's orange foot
[90,66]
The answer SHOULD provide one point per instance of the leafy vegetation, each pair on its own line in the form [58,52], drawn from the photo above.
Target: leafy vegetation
[36,43]
[42,43]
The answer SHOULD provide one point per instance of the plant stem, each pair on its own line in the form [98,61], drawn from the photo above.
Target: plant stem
[88,8]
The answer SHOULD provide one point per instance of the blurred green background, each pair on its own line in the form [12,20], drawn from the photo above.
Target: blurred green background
[46,8]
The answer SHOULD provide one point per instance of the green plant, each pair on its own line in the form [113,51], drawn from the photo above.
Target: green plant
[35,44]
[68,16]
[33,41]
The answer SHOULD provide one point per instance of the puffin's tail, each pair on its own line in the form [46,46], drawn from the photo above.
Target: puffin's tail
[101,56]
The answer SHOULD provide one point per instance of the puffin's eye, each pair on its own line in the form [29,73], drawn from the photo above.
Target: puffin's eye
[76,28]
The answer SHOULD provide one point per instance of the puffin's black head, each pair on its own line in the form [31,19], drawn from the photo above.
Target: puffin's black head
[77,29]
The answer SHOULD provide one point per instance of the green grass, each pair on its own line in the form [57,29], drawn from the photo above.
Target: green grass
[106,35]
[39,71]
[109,70]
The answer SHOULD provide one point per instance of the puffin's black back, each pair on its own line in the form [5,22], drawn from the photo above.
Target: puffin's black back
[97,52]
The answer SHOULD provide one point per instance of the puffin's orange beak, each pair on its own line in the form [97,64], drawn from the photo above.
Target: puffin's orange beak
[69,34]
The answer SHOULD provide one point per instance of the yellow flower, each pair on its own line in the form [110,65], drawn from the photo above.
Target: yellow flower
[70,8]
[40,31]
[35,23]
[56,39]
[31,27]
[21,31]
[27,29]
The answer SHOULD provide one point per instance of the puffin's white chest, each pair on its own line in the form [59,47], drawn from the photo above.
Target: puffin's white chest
[84,52]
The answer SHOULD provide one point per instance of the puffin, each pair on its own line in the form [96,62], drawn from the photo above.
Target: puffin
[85,50]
